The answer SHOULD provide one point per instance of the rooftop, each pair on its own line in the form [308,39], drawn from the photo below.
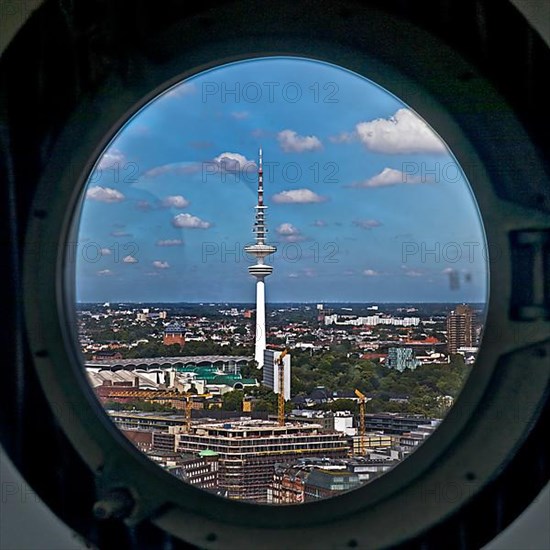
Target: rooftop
[254,427]
[174,328]
[198,360]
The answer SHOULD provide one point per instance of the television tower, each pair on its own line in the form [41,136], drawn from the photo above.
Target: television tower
[260,270]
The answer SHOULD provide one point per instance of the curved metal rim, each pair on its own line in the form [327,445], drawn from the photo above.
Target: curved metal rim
[445,458]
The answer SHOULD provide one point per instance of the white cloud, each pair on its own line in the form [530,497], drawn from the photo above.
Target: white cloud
[403,133]
[259,133]
[306,272]
[234,161]
[290,141]
[289,232]
[240,115]
[175,201]
[105,273]
[120,234]
[413,273]
[448,271]
[344,137]
[190,222]
[301,196]
[170,242]
[181,90]
[160,264]
[366,224]
[161,170]
[320,223]
[106,251]
[370,273]
[287,229]
[138,129]
[129,260]
[104,194]
[177,168]
[143,205]
[389,176]
[111,158]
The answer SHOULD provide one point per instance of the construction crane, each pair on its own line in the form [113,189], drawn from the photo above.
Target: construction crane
[188,396]
[164,395]
[145,394]
[281,408]
[362,430]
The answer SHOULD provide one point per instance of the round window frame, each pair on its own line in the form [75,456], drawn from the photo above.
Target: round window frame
[445,460]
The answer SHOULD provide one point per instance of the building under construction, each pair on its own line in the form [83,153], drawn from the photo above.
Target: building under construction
[249,449]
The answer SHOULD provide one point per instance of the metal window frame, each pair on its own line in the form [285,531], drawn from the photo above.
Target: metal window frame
[470,449]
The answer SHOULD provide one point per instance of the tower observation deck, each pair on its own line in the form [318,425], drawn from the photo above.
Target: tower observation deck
[260,250]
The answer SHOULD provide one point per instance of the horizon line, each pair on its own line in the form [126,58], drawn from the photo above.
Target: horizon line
[208,302]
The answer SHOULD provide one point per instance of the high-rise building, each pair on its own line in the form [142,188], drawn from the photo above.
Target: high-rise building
[321,313]
[271,371]
[260,250]
[460,328]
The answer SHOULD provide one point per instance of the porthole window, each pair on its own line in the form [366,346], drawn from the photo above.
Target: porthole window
[99,71]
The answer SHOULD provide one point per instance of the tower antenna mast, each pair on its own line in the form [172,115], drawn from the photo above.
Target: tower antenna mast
[260,270]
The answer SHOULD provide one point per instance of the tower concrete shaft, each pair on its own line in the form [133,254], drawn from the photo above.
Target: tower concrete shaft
[260,250]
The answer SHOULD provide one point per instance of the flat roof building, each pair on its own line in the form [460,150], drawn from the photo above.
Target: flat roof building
[249,450]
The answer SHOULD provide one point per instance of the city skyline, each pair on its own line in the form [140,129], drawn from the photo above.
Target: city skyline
[378,214]
[252,302]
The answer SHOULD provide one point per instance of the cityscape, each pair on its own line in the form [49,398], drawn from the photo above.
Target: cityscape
[277,403]
[364,385]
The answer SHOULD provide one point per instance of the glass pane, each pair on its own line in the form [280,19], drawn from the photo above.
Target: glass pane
[281,280]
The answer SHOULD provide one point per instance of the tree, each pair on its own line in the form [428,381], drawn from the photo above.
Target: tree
[263,405]
[233,400]
[249,370]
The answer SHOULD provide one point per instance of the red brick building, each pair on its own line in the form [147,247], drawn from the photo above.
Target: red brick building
[173,334]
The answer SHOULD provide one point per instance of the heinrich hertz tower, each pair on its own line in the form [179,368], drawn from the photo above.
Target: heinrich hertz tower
[260,270]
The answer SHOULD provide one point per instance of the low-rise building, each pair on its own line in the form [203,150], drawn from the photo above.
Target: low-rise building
[321,484]
[395,423]
[372,441]
[200,470]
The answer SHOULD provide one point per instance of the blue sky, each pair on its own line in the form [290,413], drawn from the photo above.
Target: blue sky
[366,204]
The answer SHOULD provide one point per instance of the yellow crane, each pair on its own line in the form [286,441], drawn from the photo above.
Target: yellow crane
[362,430]
[157,395]
[188,396]
[281,402]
